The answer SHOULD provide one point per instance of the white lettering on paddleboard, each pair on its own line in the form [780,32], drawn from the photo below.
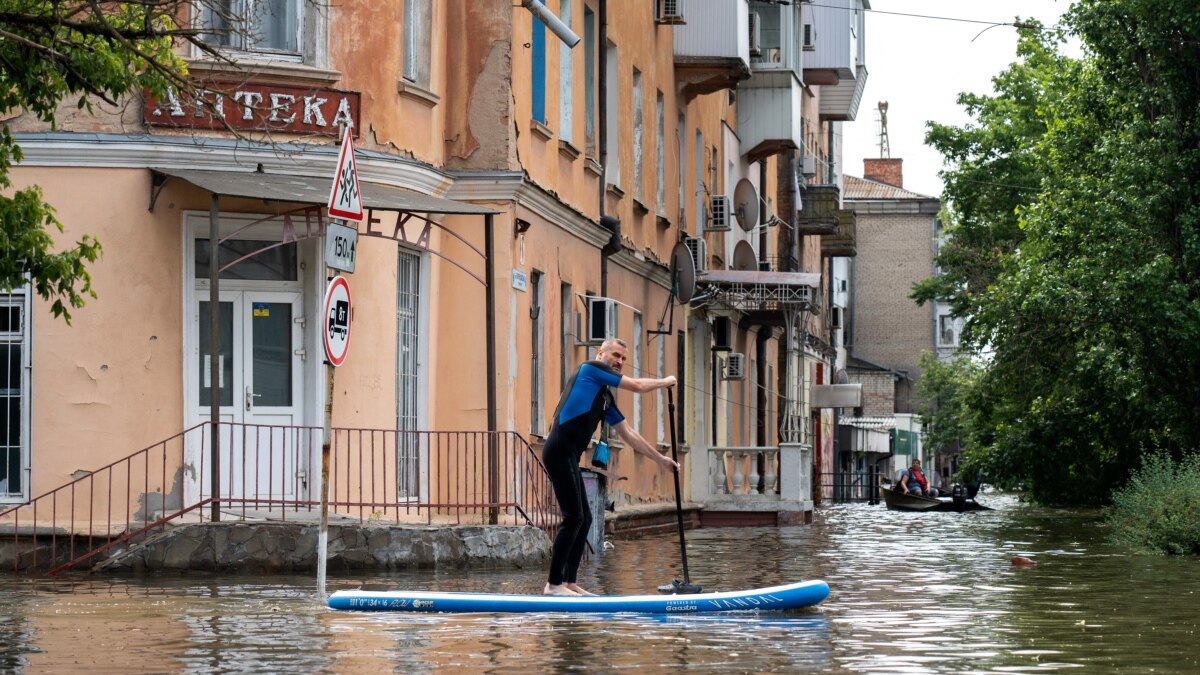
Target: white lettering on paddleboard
[748,602]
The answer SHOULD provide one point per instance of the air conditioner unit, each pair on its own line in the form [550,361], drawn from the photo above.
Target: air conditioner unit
[670,11]
[602,319]
[835,317]
[699,253]
[735,366]
[808,165]
[580,336]
[810,37]
[755,45]
[718,214]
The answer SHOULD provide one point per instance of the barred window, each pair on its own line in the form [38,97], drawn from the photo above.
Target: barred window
[14,392]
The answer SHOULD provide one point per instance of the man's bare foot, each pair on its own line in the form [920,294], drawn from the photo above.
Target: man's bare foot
[578,590]
[556,589]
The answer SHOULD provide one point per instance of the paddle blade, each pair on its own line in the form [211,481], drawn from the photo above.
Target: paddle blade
[677,587]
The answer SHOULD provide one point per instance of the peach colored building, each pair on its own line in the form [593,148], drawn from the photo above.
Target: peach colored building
[491,158]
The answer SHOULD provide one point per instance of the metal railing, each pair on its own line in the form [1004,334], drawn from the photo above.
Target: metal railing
[850,486]
[271,472]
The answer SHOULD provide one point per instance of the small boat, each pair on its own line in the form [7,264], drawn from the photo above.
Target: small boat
[959,500]
[774,598]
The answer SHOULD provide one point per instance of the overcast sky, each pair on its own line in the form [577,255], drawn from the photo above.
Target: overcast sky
[920,65]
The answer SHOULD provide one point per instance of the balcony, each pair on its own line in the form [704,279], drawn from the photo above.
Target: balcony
[818,212]
[770,114]
[843,243]
[736,484]
[774,31]
[712,50]
[835,58]
[839,102]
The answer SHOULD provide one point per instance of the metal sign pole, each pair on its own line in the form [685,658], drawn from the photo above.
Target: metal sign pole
[326,441]
[345,201]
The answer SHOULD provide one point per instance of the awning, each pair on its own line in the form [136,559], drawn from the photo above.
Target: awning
[880,423]
[315,190]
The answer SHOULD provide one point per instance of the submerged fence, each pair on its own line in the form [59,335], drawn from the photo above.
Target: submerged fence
[272,472]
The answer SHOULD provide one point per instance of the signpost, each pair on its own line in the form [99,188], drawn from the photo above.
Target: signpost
[336,317]
[345,201]
[341,245]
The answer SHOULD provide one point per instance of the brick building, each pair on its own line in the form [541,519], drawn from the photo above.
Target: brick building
[884,330]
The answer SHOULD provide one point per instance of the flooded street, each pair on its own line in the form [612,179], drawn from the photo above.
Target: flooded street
[931,592]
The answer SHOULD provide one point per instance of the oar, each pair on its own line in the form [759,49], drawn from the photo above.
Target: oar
[676,586]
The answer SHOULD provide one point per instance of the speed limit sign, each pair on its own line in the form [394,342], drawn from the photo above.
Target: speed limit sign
[336,325]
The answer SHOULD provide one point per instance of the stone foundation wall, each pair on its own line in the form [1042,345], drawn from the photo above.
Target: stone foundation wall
[281,548]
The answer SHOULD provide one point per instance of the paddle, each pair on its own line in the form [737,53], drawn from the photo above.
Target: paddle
[676,586]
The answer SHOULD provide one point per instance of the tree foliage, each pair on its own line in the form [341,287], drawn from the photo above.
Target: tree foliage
[53,52]
[1084,290]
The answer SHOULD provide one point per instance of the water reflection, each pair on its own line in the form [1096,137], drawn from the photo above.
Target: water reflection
[909,593]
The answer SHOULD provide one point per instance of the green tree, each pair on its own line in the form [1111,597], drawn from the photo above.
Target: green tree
[944,390]
[54,52]
[1092,311]
[996,169]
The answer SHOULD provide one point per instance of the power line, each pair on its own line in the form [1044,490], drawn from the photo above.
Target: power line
[1014,24]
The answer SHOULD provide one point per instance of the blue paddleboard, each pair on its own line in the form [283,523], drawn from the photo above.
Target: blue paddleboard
[774,598]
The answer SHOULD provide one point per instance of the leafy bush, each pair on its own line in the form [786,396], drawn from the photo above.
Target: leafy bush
[1158,511]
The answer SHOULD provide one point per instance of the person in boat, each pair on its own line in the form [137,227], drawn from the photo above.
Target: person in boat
[914,482]
[586,400]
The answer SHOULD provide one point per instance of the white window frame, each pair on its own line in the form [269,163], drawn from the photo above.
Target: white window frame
[636,357]
[537,362]
[418,32]
[660,407]
[660,156]
[639,134]
[566,86]
[239,46]
[612,139]
[19,297]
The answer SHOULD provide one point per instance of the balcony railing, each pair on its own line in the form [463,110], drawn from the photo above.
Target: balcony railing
[753,478]
[844,242]
[818,213]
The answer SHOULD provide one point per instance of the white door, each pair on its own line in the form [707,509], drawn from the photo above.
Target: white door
[263,457]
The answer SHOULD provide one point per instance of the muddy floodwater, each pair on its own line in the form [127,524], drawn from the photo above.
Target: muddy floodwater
[909,593]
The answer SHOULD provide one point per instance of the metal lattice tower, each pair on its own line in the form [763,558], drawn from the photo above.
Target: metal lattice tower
[885,148]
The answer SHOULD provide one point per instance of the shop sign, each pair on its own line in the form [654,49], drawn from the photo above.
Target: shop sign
[255,107]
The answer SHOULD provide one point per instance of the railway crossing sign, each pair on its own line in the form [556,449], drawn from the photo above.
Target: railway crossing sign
[345,201]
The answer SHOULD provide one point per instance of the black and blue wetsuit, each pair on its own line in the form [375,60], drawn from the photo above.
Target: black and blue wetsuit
[585,401]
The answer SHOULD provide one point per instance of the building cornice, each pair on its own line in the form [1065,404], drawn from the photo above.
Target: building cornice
[141,151]
[514,187]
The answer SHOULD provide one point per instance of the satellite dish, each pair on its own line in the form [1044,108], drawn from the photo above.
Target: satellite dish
[683,273]
[745,204]
[744,258]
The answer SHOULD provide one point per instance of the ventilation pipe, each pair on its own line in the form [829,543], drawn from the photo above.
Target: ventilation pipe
[556,26]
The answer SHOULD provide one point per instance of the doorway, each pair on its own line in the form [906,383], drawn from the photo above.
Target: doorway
[265,451]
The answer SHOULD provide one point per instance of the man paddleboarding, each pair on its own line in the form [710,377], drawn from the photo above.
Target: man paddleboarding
[586,400]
